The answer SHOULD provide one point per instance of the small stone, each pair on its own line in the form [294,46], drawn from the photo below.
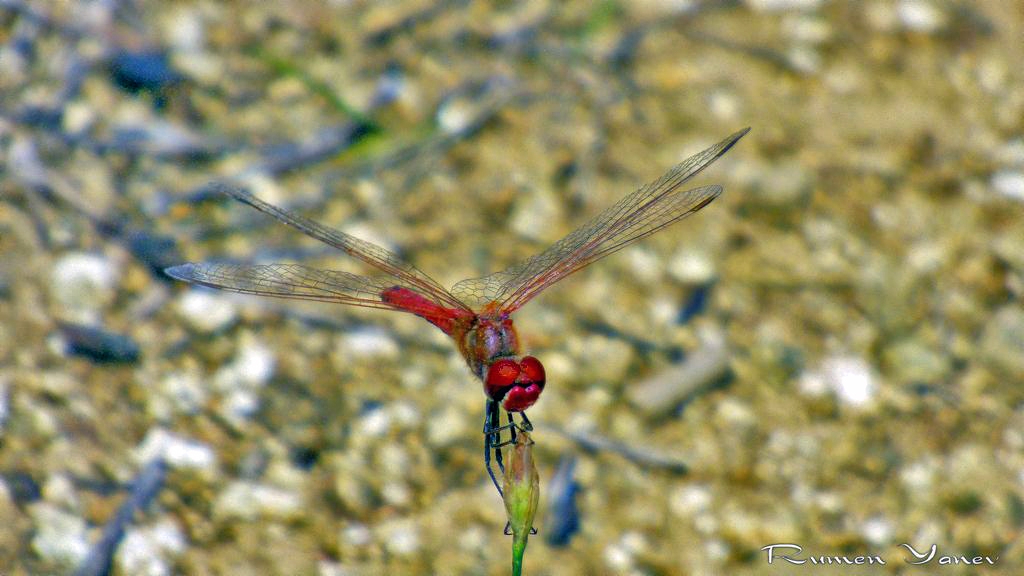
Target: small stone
[206,311]
[449,427]
[911,361]
[783,183]
[241,379]
[535,213]
[374,424]
[783,5]
[1009,183]
[690,500]
[369,342]
[248,501]
[396,494]
[804,59]
[83,283]
[182,392]
[877,531]
[185,30]
[918,477]
[1002,342]
[807,29]
[79,116]
[177,451]
[59,537]
[692,266]
[615,358]
[238,406]
[151,550]
[356,534]
[455,116]
[254,363]
[849,378]
[644,265]
[400,537]
[725,105]
[920,16]
[59,490]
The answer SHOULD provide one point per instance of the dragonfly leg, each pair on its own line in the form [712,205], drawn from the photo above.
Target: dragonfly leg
[511,428]
[526,425]
[492,438]
[493,441]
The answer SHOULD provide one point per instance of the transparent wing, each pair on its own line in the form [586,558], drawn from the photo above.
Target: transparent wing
[639,214]
[283,276]
[287,281]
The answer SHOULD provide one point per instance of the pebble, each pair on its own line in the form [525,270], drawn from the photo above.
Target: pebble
[849,378]
[179,392]
[186,31]
[369,343]
[918,477]
[78,117]
[535,213]
[877,531]
[1002,342]
[920,16]
[98,344]
[177,451]
[59,537]
[150,550]
[910,361]
[143,70]
[83,283]
[59,490]
[400,537]
[374,423]
[644,265]
[249,500]
[725,105]
[621,555]
[783,5]
[448,428]
[206,311]
[615,358]
[782,183]
[238,406]
[356,534]
[454,116]
[807,29]
[1009,183]
[689,500]
[692,266]
[252,367]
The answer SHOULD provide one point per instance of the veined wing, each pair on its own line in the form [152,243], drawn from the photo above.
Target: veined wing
[293,281]
[287,281]
[636,216]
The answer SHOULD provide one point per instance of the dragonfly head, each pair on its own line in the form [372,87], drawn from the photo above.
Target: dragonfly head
[515,384]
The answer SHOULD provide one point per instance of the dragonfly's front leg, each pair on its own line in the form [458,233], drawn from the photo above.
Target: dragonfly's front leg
[526,425]
[492,441]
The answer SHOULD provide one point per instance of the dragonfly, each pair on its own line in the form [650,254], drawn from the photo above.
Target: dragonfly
[476,313]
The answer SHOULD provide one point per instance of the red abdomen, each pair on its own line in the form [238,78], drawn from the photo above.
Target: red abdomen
[447,319]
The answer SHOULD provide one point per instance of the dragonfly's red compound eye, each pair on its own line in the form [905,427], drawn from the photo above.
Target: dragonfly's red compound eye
[533,370]
[500,377]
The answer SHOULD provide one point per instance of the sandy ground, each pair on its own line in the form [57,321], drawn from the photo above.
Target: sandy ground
[830,355]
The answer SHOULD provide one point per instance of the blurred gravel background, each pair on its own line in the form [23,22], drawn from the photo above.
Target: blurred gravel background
[832,354]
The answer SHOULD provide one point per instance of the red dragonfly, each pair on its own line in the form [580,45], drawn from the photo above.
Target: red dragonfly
[475,313]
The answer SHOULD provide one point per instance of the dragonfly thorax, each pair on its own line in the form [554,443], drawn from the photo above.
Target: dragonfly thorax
[491,348]
[489,338]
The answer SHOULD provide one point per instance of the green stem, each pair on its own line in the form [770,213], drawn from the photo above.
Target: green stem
[518,550]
